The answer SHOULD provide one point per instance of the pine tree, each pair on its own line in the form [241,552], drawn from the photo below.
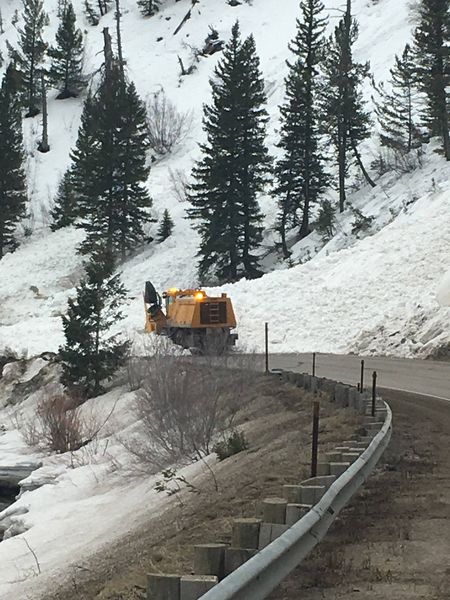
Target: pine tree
[431,45]
[91,354]
[346,119]
[32,52]
[149,7]
[109,166]
[234,166]
[165,228]
[300,176]
[13,194]
[91,15]
[67,56]
[64,211]
[62,5]
[396,109]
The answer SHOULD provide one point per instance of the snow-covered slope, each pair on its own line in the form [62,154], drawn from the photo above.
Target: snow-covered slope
[350,292]
[376,294]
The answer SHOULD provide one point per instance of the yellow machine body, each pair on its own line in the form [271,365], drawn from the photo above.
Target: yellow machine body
[193,319]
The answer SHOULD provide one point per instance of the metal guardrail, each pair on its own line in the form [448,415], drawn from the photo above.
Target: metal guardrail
[261,574]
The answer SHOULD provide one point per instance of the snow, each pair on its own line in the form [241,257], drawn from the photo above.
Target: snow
[385,292]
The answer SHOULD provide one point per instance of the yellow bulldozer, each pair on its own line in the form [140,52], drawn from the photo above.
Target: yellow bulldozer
[191,318]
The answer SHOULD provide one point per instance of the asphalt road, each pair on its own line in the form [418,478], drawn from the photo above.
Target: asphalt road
[425,377]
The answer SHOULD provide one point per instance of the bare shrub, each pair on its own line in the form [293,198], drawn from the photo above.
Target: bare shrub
[59,426]
[167,127]
[179,184]
[184,405]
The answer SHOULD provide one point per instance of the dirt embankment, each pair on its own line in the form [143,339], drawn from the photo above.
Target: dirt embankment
[277,421]
[393,541]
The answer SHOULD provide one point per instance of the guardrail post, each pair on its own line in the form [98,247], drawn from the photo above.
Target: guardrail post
[163,587]
[314,364]
[361,385]
[209,559]
[374,392]
[315,438]
[266,344]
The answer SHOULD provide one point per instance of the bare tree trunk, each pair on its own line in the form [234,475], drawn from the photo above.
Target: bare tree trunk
[107,50]
[43,144]
[117,16]
[361,165]
[186,17]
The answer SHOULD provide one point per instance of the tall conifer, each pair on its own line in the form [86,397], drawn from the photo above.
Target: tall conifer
[397,106]
[13,194]
[67,56]
[64,211]
[300,176]
[432,50]
[346,119]
[110,168]
[234,166]
[32,49]
[91,353]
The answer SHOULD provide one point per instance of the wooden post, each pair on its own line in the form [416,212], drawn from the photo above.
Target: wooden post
[266,343]
[315,438]
[374,392]
[361,385]
[314,365]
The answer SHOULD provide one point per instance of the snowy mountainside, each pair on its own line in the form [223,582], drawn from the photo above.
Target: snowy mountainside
[329,301]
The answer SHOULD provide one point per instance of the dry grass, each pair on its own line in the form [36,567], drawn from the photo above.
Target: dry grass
[276,419]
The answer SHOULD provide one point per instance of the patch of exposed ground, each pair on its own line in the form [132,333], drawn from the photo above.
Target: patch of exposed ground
[393,541]
[277,421]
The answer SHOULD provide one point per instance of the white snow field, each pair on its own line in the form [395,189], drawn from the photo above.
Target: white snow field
[385,293]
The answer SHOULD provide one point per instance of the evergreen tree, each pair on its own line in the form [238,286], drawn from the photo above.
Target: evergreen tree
[326,219]
[346,119]
[149,7]
[165,228]
[109,166]
[13,194]
[67,56]
[91,15]
[91,354]
[299,172]
[64,211]
[432,43]
[234,166]
[32,52]
[396,109]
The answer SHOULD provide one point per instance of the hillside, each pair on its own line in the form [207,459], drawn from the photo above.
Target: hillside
[333,301]
[383,291]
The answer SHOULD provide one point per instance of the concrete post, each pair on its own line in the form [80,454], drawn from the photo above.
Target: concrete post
[292,493]
[333,456]
[274,510]
[235,557]
[209,559]
[193,587]
[163,587]
[312,493]
[294,512]
[245,533]
[350,457]
[323,468]
[338,468]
